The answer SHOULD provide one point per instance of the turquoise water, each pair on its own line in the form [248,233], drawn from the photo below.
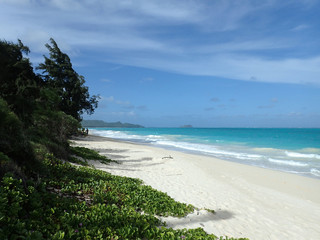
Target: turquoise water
[290,150]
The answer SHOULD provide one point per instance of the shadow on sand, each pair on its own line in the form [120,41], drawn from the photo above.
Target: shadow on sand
[200,219]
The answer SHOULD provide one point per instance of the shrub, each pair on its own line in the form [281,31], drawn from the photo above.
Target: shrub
[13,142]
[83,203]
[53,129]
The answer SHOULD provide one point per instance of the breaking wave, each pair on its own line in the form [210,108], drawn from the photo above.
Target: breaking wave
[302,163]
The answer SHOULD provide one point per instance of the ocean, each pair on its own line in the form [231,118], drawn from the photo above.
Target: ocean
[290,150]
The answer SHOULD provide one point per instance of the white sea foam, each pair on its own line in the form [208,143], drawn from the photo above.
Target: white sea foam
[124,136]
[315,172]
[284,160]
[302,155]
[166,141]
[210,149]
[288,162]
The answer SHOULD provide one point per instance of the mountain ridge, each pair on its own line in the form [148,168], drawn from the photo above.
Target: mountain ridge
[101,123]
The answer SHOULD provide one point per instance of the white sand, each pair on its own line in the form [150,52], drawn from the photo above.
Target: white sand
[249,201]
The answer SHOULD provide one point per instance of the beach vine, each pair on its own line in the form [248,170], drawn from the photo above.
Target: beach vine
[75,202]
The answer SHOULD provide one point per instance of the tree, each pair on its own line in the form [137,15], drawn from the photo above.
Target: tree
[38,114]
[19,85]
[58,73]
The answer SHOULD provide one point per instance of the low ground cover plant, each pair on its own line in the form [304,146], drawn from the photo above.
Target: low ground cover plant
[70,202]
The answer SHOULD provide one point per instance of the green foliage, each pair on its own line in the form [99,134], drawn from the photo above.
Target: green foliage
[57,124]
[32,122]
[4,158]
[210,210]
[19,85]
[77,160]
[89,154]
[5,163]
[13,141]
[52,129]
[59,75]
[83,203]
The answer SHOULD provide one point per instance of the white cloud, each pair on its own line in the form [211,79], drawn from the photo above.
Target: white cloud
[240,46]
[142,33]
[298,71]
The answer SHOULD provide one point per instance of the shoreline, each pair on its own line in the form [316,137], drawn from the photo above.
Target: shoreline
[248,201]
[299,161]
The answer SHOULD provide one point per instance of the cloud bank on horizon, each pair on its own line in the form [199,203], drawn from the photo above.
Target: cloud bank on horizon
[265,41]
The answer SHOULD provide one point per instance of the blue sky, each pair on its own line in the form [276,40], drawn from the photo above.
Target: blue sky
[216,63]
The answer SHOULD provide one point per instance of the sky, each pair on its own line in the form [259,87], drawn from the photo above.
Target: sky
[160,63]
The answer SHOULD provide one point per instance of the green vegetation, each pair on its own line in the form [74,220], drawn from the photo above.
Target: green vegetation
[88,154]
[83,203]
[43,196]
[100,123]
[59,74]
[37,115]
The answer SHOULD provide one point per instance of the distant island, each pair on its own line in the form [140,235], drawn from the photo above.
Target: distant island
[100,123]
[186,126]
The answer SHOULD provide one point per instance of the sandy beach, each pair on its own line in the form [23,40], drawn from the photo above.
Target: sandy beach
[248,201]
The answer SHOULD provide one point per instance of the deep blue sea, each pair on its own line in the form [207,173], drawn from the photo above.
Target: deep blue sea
[290,150]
